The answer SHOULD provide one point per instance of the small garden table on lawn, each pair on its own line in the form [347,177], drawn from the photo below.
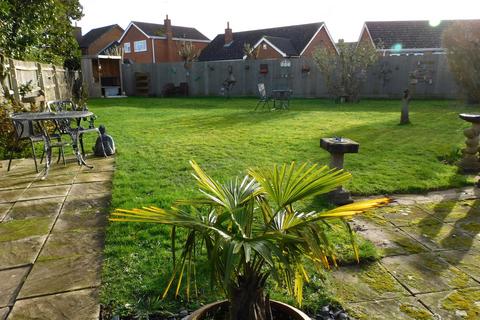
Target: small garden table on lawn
[42,117]
[283,97]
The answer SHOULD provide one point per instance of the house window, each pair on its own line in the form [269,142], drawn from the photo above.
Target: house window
[140,46]
[264,46]
[126,47]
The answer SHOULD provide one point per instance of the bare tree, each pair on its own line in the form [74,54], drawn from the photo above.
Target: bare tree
[345,71]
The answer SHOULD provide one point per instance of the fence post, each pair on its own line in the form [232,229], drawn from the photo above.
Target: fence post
[13,78]
[55,81]
[41,81]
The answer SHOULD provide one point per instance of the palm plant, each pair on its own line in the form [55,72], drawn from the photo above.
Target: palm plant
[250,230]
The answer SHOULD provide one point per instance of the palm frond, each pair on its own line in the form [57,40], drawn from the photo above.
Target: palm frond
[288,184]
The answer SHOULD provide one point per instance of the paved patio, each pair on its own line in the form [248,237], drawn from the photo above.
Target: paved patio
[431,263]
[51,239]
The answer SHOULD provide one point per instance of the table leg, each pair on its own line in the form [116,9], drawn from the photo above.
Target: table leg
[75,139]
[47,149]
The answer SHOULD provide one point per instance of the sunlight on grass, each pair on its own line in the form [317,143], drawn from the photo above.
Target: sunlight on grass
[157,137]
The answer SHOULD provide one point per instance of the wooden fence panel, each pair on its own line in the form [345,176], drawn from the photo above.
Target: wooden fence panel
[55,82]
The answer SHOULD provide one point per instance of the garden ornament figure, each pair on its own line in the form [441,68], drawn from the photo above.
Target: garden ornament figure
[107,141]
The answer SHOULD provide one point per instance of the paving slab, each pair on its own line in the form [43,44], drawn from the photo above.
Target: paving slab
[467,261]
[20,252]
[72,244]
[401,216]
[392,241]
[451,211]
[54,180]
[4,207]
[18,229]
[454,305]
[83,212]
[94,176]
[45,192]
[365,283]
[3,313]
[91,188]
[440,237]
[10,195]
[393,309]
[11,279]
[77,305]
[19,183]
[60,275]
[426,272]
[35,208]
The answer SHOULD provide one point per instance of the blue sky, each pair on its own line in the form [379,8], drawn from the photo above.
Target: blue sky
[344,19]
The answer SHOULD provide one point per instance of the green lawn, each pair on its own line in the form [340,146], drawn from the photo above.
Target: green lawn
[157,137]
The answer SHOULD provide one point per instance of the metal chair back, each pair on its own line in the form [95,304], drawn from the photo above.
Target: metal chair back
[23,129]
[61,105]
[262,91]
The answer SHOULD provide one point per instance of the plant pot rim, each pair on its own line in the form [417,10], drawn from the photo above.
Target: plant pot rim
[283,307]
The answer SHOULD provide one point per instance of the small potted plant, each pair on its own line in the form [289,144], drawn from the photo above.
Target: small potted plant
[251,229]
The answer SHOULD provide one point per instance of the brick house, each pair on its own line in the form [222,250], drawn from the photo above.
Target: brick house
[406,37]
[154,43]
[97,40]
[274,43]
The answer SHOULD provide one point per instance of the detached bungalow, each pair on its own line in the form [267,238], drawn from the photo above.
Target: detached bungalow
[406,37]
[274,43]
[154,43]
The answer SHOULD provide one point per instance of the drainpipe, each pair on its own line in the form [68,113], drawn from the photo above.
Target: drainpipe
[153,50]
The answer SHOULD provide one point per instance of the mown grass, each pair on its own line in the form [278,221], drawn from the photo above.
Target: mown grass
[157,137]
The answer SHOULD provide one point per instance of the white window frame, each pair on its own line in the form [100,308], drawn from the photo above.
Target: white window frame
[140,42]
[127,48]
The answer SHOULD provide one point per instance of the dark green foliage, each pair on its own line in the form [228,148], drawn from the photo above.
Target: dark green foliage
[39,30]
[462,41]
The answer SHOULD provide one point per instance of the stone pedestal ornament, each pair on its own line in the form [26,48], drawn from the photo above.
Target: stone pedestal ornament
[337,147]
[470,162]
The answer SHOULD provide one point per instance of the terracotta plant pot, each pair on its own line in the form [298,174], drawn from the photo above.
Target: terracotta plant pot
[288,311]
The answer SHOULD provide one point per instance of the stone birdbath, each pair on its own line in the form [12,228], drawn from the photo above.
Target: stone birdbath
[469,162]
[337,147]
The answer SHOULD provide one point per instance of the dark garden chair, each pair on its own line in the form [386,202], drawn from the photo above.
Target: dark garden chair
[24,130]
[69,105]
[264,97]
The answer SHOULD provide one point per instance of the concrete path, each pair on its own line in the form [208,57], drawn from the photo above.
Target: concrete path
[51,240]
[431,259]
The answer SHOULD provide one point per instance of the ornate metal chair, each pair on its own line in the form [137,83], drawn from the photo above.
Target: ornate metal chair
[24,130]
[264,98]
[69,105]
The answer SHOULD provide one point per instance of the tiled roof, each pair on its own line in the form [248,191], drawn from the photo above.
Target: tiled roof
[408,34]
[94,34]
[284,44]
[298,36]
[158,30]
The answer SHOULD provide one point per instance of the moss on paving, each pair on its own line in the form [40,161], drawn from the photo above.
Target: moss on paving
[19,229]
[467,300]
[415,312]
[409,245]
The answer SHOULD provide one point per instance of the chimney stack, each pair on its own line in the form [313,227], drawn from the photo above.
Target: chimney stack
[168,28]
[77,32]
[228,34]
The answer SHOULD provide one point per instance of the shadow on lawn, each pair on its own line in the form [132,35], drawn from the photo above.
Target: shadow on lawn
[248,104]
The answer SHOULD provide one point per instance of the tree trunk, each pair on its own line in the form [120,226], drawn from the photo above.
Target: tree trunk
[404,118]
[248,300]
